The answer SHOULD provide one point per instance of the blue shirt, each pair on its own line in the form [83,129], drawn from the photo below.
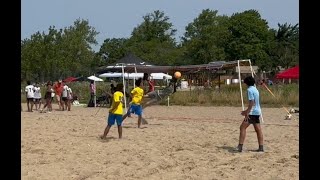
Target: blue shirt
[253,94]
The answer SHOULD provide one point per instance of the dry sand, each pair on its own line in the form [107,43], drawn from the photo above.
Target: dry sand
[178,143]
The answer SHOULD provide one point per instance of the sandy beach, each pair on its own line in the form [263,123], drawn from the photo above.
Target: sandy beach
[178,143]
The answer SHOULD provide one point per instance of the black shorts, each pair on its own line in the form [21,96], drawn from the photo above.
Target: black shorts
[254,119]
[64,98]
[29,99]
[37,99]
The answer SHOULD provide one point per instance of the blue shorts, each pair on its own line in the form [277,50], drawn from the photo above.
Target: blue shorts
[114,117]
[136,109]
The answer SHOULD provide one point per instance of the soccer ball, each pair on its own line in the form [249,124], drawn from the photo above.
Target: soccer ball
[177,75]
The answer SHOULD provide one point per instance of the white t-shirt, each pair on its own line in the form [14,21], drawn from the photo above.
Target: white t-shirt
[52,93]
[29,91]
[65,91]
[37,92]
[70,91]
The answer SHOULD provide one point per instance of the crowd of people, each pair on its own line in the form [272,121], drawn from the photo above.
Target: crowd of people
[59,91]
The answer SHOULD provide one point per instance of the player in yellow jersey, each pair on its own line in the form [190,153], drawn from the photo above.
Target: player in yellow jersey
[135,104]
[115,112]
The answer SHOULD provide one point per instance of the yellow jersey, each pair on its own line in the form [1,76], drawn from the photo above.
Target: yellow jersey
[137,94]
[117,108]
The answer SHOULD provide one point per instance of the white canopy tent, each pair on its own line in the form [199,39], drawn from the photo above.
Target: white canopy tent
[94,78]
[156,76]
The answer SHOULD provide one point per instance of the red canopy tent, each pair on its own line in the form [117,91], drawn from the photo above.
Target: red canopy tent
[70,79]
[291,73]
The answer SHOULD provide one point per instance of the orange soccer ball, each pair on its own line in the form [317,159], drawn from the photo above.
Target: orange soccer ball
[177,75]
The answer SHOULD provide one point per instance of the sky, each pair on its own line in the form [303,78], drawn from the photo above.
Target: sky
[117,18]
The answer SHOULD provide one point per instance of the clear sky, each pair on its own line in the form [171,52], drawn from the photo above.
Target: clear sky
[117,18]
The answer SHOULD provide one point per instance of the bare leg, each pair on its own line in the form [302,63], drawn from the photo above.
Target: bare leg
[59,102]
[28,102]
[243,129]
[126,115]
[106,131]
[120,131]
[258,130]
[31,105]
[69,105]
[36,104]
[45,105]
[50,105]
[139,121]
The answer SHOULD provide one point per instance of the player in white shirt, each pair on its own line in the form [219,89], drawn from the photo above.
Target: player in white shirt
[69,98]
[64,97]
[30,95]
[37,96]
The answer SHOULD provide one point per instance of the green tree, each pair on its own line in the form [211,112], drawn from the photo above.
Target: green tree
[113,49]
[206,37]
[287,45]
[59,53]
[250,37]
[153,40]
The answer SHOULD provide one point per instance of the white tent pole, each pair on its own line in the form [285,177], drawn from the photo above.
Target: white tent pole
[240,85]
[124,90]
[95,92]
[134,78]
[251,68]
[169,95]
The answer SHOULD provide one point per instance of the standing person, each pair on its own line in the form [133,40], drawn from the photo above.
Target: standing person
[29,95]
[115,113]
[58,88]
[151,84]
[135,105]
[65,99]
[70,98]
[48,97]
[251,115]
[37,96]
[92,94]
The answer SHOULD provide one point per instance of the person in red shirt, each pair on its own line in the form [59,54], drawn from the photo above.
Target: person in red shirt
[58,88]
[151,84]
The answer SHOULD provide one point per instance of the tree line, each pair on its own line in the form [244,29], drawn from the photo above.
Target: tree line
[60,53]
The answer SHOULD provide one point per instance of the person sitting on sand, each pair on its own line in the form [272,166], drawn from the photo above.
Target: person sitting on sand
[115,113]
[251,114]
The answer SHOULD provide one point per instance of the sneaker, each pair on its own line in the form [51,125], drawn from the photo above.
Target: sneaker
[237,149]
[259,150]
